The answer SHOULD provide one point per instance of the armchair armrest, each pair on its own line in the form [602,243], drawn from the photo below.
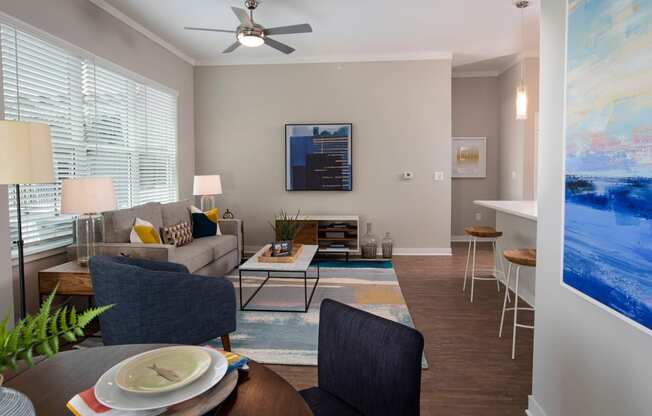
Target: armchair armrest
[159,266]
[156,252]
[233,227]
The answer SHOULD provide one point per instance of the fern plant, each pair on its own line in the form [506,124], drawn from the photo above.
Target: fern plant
[40,333]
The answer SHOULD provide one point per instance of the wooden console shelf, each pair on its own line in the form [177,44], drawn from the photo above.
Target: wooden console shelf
[314,228]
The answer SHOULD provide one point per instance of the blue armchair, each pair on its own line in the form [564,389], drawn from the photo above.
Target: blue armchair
[367,365]
[160,302]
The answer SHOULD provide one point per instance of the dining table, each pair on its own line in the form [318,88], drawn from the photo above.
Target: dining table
[51,383]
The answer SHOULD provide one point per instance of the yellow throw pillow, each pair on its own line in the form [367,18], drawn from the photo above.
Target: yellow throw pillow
[213,214]
[144,232]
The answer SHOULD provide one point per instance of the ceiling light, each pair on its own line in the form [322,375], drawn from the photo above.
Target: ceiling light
[521,90]
[249,40]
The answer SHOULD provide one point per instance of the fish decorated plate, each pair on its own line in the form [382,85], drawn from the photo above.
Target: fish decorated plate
[146,381]
[163,370]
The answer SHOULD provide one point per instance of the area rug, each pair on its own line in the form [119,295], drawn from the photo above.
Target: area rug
[291,338]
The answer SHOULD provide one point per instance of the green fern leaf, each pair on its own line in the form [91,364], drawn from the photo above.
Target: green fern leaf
[89,314]
[54,331]
[43,316]
[73,317]
[4,335]
[14,337]
[63,319]
[27,355]
[28,332]
[69,336]
[44,348]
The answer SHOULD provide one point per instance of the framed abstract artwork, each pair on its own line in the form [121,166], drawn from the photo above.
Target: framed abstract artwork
[608,177]
[469,157]
[318,157]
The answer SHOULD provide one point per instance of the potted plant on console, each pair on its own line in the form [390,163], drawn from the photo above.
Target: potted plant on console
[286,228]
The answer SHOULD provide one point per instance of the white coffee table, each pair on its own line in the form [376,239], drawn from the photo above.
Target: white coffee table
[295,270]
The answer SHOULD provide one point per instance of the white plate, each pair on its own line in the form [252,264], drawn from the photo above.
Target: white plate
[141,373]
[110,395]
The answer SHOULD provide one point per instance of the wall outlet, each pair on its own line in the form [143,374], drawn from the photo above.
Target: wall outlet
[408,175]
[438,176]
[478,216]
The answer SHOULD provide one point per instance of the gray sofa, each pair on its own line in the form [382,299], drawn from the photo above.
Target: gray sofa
[208,256]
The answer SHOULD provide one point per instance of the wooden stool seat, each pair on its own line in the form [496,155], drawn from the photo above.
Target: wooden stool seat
[523,257]
[483,232]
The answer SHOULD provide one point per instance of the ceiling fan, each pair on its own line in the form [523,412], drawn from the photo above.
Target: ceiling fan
[251,34]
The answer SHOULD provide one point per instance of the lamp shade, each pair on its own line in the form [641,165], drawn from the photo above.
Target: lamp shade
[25,153]
[87,195]
[207,185]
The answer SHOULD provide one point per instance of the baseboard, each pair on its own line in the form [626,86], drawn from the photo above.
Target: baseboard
[533,408]
[398,251]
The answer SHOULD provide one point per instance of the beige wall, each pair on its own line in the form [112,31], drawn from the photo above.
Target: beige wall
[516,171]
[401,115]
[84,25]
[587,361]
[476,114]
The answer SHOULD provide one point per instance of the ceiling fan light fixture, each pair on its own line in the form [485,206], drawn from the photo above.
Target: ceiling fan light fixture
[250,40]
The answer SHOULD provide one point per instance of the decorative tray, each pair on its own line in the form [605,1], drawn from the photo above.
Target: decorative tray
[267,257]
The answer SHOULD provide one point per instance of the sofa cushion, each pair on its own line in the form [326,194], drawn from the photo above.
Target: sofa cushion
[118,223]
[194,256]
[221,244]
[176,212]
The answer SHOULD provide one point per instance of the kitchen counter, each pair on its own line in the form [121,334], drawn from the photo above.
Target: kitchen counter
[518,222]
[524,209]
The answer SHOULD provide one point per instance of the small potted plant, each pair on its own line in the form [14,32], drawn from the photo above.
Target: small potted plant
[286,228]
[38,334]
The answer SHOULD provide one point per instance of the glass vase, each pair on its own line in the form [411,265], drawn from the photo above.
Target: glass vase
[87,232]
[369,244]
[388,246]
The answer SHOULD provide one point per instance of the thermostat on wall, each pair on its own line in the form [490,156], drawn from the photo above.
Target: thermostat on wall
[408,175]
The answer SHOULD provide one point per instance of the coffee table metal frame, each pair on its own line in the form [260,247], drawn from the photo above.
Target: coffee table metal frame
[295,274]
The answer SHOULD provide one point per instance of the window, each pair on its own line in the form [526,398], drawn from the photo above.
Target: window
[103,123]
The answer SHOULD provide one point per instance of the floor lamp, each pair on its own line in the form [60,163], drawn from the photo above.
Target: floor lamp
[25,158]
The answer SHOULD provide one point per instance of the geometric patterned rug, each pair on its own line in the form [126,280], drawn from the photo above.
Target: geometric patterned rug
[291,338]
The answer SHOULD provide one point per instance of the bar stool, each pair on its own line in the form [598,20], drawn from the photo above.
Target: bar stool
[490,234]
[519,258]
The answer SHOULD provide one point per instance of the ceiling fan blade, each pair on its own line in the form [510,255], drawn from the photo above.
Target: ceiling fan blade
[243,16]
[207,29]
[232,47]
[288,30]
[279,46]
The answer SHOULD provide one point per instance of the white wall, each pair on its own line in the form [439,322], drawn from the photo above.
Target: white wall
[586,360]
[476,113]
[401,115]
[516,136]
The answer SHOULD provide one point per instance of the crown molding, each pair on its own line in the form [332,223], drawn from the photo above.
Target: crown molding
[102,4]
[520,57]
[475,74]
[413,56]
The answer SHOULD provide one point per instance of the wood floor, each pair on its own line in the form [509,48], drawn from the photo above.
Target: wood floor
[471,371]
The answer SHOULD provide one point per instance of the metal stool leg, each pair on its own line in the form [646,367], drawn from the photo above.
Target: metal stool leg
[466,269]
[493,245]
[505,299]
[473,268]
[518,269]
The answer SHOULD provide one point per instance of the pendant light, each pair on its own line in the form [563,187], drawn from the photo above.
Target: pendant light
[521,90]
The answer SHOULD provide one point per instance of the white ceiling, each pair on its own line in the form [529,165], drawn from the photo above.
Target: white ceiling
[473,31]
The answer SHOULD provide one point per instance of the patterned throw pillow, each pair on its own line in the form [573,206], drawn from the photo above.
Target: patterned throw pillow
[178,235]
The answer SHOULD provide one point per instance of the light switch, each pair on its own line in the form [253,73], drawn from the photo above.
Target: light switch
[408,175]
[478,216]
[438,176]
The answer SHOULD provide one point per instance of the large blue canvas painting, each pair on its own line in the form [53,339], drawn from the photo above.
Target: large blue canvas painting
[608,210]
[318,157]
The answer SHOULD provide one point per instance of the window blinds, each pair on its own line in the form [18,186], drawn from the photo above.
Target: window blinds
[102,123]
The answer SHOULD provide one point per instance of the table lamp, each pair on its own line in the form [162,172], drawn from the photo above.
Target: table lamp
[87,197]
[207,186]
[25,158]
